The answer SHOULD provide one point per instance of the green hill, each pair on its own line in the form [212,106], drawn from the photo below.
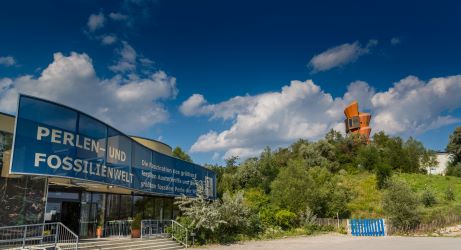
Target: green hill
[367,200]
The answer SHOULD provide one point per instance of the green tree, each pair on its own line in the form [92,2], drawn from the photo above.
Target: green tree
[269,168]
[334,137]
[454,169]
[454,149]
[393,152]
[298,186]
[368,157]
[248,174]
[383,173]
[454,146]
[292,186]
[180,154]
[415,151]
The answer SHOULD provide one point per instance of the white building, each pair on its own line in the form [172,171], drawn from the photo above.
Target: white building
[442,158]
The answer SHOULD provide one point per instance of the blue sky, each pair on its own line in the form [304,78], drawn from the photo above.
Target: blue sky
[239,58]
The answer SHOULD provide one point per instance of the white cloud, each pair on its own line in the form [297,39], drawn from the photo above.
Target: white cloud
[108,39]
[132,105]
[146,61]
[413,106]
[303,110]
[7,61]
[395,40]
[299,110]
[340,55]
[127,60]
[96,21]
[118,16]
[196,105]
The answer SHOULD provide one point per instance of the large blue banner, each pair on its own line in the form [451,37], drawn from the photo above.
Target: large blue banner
[53,140]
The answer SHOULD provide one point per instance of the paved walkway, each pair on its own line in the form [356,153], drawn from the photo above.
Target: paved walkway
[342,242]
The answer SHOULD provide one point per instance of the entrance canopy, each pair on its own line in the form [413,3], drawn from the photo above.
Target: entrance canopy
[57,141]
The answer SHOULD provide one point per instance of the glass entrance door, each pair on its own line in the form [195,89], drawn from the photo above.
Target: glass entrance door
[91,214]
[70,211]
[64,207]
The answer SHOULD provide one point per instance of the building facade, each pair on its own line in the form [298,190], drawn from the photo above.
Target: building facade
[357,122]
[443,158]
[61,165]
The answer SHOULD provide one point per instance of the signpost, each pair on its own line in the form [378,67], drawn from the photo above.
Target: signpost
[54,140]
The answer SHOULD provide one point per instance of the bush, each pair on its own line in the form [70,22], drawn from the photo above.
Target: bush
[428,198]
[449,194]
[267,216]
[136,224]
[307,218]
[285,219]
[383,173]
[454,169]
[400,204]
[298,186]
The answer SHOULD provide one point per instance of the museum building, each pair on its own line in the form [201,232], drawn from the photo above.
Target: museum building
[61,165]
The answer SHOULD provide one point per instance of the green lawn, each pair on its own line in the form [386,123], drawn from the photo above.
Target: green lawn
[367,202]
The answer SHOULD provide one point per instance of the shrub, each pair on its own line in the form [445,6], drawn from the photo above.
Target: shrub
[383,173]
[454,169]
[400,204]
[267,216]
[285,219]
[449,194]
[233,211]
[368,157]
[307,218]
[203,214]
[298,186]
[428,198]
[136,224]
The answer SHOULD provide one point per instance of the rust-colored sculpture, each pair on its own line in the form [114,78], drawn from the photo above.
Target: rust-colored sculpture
[357,122]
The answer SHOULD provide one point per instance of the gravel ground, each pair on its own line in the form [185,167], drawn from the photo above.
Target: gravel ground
[330,241]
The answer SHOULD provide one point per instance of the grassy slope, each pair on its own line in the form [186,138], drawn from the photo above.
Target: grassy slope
[367,203]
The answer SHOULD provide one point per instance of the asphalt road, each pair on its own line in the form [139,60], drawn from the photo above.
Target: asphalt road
[325,242]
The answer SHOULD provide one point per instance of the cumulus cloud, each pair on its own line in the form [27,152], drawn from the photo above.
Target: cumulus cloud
[108,39]
[96,21]
[395,40]
[299,110]
[127,60]
[340,55]
[304,110]
[196,105]
[7,61]
[118,16]
[133,104]
[414,106]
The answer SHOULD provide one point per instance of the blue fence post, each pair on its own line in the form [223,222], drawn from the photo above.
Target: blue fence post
[352,221]
[365,227]
[367,221]
[375,229]
[357,225]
